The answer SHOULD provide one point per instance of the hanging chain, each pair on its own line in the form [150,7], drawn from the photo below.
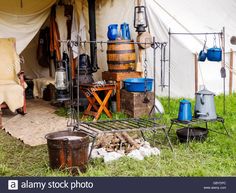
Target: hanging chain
[146,100]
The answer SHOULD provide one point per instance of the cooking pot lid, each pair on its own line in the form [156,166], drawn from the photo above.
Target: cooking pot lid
[205,92]
[184,101]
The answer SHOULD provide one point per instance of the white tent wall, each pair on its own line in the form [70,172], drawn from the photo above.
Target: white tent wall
[194,16]
[23,21]
[180,16]
[182,59]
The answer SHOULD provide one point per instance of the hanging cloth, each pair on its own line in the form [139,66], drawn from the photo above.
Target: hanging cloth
[54,35]
[61,20]
[74,33]
[43,52]
[82,27]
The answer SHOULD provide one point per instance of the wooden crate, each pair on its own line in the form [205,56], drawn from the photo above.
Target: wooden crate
[132,103]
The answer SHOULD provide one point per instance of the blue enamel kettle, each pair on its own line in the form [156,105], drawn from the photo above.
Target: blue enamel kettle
[125,33]
[185,112]
[112,32]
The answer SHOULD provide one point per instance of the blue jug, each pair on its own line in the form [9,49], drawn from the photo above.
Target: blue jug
[185,112]
[112,32]
[125,33]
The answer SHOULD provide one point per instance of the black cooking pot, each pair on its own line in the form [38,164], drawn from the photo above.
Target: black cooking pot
[195,133]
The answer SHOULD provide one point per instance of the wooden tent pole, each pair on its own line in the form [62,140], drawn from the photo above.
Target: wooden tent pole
[231,72]
[196,71]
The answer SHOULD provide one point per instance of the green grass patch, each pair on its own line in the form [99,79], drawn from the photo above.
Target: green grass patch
[214,157]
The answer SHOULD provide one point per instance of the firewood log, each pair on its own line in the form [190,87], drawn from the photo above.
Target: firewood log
[130,140]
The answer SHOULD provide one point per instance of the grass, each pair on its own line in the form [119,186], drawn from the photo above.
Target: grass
[214,157]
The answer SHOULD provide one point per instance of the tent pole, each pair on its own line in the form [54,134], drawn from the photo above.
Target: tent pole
[196,33]
[77,115]
[223,47]
[231,72]
[169,71]
[196,71]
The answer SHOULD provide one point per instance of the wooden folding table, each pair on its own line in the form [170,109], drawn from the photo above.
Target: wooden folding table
[97,105]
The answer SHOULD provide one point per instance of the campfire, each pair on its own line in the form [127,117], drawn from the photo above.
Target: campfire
[111,147]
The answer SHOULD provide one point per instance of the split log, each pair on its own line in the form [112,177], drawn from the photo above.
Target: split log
[130,140]
[118,135]
[104,140]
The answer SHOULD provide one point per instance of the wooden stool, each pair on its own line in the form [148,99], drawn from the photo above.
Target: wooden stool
[91,93]
[119,76]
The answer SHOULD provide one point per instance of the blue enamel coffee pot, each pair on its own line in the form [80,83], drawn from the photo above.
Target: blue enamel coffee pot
[112,32]
[185,112]
[125,33]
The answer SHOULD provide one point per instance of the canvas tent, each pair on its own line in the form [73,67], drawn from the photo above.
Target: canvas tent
[23,19]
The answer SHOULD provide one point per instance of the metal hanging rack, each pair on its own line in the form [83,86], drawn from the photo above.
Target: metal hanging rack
[222,35]
[154,45]
[139,124]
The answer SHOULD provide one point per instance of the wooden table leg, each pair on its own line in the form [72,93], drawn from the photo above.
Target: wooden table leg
[102,105]
[106,92]
[118,96]
[91,105]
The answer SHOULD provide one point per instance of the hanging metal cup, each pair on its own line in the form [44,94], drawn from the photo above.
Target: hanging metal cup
[203,54]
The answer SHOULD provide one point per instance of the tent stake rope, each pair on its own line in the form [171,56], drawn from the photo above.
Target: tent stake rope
[222,35]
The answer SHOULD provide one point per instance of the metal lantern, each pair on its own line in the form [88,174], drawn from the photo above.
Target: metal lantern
[140,19]
[61,83]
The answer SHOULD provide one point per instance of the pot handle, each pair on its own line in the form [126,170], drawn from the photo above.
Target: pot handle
[203,114]
[202,99]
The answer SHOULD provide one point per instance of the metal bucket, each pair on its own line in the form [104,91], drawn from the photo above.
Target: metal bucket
[68,150]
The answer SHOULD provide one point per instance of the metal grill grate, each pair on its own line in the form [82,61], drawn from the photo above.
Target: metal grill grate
[123,125]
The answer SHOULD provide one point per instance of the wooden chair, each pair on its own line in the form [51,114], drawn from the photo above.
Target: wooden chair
[12,84]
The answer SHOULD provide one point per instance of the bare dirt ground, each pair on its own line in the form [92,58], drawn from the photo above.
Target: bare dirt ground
[32,127]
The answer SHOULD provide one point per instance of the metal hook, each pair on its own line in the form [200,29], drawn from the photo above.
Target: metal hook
[205,38]
[155,45]
[205,41]
[214,40]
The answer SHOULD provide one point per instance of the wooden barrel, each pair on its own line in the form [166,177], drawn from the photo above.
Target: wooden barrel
[121,56]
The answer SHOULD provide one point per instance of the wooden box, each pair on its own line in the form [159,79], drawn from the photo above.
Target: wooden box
[132,103]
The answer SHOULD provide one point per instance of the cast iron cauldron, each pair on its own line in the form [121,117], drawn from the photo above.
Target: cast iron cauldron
[195,133]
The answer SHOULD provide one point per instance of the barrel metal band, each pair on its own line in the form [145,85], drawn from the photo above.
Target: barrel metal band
[120,51]
[121,62]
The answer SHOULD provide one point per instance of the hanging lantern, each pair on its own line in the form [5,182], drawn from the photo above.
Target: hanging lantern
[140,19]
[61,82]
